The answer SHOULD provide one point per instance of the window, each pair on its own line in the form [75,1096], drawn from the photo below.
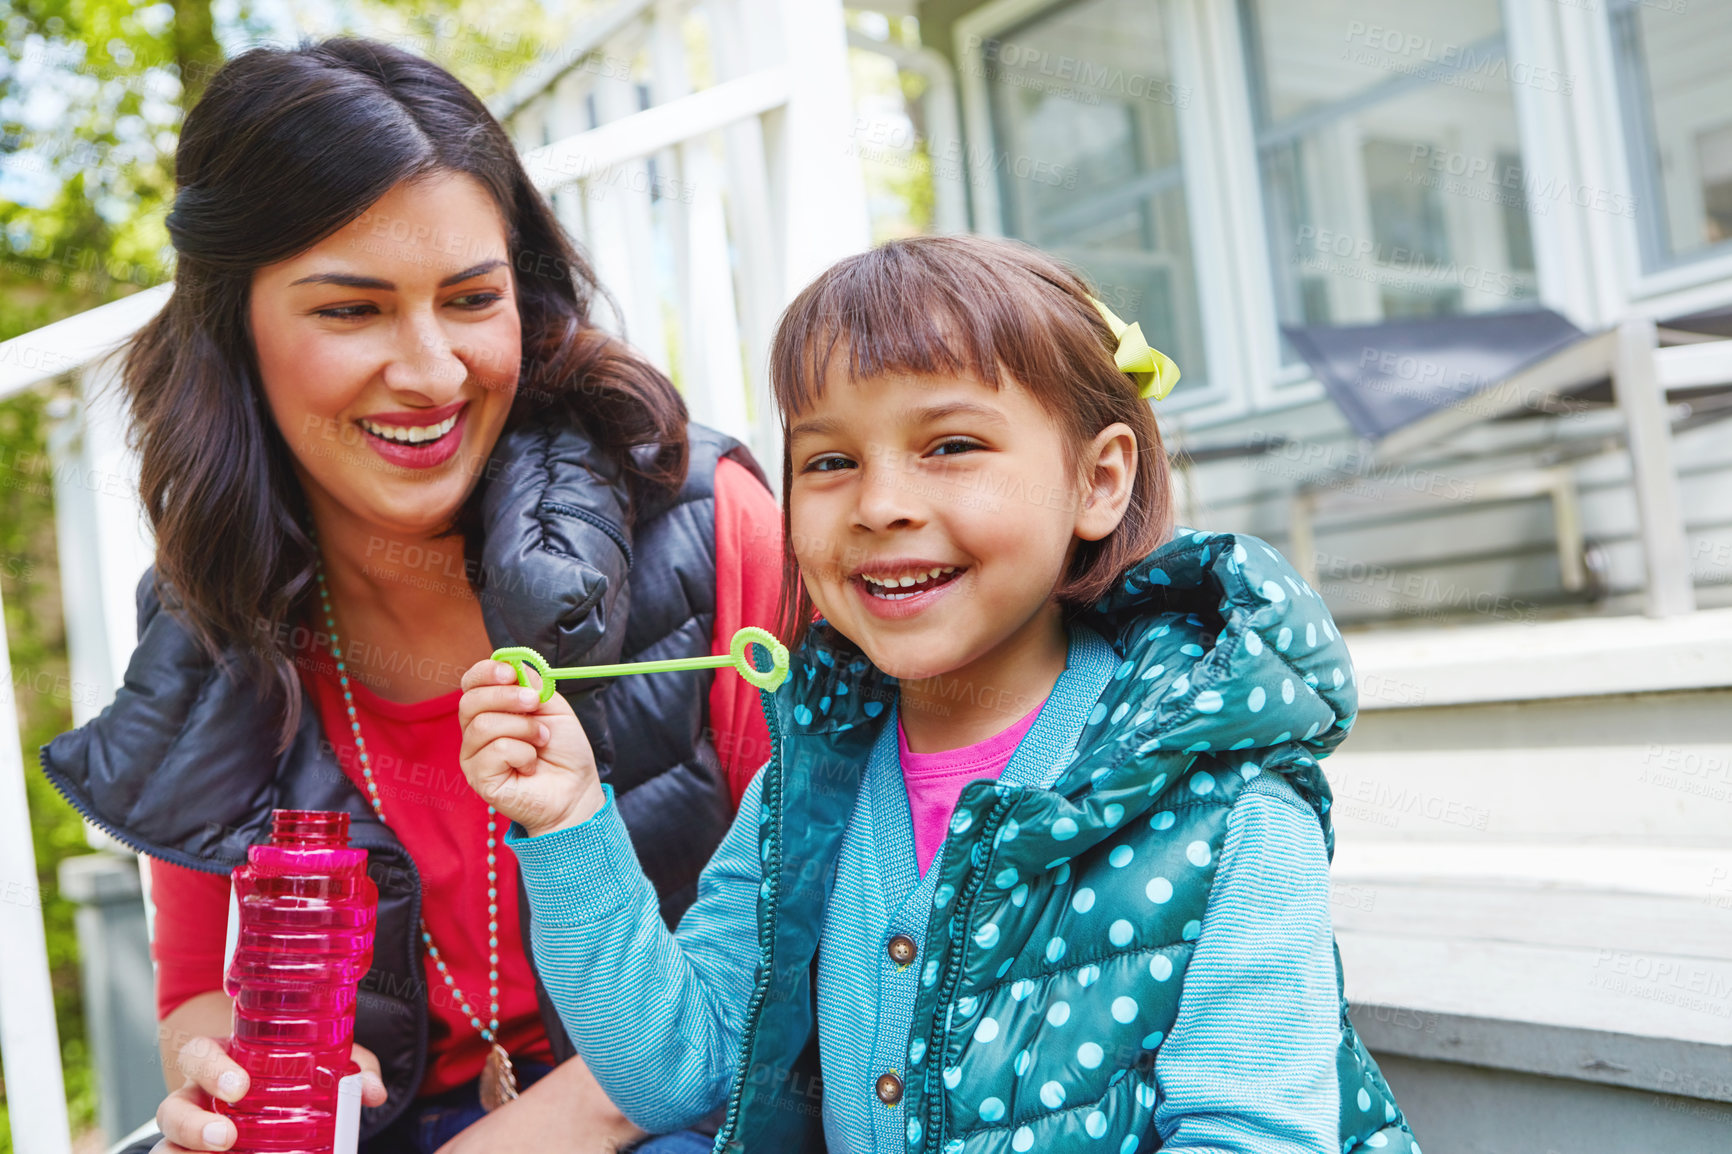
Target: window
[1677,106]
[1389,157]
[1086,161]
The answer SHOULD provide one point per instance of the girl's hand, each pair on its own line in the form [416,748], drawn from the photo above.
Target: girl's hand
[528,759]
[185,1118]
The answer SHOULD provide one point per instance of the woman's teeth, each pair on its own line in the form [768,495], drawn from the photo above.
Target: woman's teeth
[921,581]
[410,434]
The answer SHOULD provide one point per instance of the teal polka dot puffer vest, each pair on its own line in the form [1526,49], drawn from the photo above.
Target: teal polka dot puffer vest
[1229,667]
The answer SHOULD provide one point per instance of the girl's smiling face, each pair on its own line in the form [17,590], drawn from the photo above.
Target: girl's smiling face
[932,518]
[389,354]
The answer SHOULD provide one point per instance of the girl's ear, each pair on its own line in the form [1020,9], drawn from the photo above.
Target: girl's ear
[1109,470]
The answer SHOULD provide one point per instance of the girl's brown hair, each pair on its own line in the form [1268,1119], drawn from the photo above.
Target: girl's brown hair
[285,147]
[991,310]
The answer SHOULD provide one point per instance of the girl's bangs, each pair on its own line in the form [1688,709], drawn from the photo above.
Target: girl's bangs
[889,315]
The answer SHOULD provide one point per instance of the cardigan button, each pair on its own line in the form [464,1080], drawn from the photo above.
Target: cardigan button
[902,949]
[889,1089]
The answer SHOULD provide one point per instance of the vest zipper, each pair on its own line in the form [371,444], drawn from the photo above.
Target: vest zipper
[417,972]
[772,802]
[974,881]
[136,845]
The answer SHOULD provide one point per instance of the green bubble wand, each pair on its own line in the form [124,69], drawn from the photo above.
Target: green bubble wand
[522,659]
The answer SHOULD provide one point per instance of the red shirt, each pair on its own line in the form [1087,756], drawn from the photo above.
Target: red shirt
[413,749]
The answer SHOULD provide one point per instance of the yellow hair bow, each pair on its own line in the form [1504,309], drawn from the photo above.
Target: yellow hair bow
[1153,370]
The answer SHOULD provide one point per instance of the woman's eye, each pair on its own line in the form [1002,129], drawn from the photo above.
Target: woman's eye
[346,312]
[828,464]
[954,445]
[477,300]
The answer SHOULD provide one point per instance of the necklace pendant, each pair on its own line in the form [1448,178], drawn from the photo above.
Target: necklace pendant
[498,1079]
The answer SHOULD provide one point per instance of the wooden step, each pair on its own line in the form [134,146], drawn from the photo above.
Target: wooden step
[1604,964]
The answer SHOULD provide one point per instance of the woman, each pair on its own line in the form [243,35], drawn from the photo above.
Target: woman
[379,437]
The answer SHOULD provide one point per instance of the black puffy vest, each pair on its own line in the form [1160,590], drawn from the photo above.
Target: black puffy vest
[172,768]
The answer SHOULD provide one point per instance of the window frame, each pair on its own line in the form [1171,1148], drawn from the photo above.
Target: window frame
[1216,282]
[1652,228]
[1600,261]
[1589,264]
[1505,45]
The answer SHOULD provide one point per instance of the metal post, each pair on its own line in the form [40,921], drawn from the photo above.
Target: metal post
[1665,550]
[1567,516]
[751,224]
[119,998]
[709,331]
[943,127]
[822,197]
[1301,540]
[29,1040]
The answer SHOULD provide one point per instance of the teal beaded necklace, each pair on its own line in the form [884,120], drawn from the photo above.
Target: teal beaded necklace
[499,1080]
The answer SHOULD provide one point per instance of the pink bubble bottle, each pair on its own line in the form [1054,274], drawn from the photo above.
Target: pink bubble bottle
[307,911]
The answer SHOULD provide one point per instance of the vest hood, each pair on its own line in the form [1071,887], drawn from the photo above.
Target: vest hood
[1255,663]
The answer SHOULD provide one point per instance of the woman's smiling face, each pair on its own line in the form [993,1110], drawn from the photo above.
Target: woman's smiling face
[932,517]
[389,354]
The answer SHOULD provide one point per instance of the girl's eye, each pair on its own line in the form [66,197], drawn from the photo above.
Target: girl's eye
[956,445]
[477,300]
[830,463]
[346,312]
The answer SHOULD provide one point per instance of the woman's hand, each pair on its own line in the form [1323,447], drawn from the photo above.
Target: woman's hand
[186,1121]
[527,758]
[567,1112]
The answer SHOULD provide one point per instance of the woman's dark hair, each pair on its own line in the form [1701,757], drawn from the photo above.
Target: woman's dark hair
[286,147]
[991,310]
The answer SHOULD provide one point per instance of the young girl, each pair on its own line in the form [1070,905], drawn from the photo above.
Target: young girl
[1041,862]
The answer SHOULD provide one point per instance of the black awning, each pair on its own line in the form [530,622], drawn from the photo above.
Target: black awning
[1386,376]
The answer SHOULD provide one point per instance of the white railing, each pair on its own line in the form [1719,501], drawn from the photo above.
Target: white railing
[103,547]
[757,218]
[753,185]
[29,1041]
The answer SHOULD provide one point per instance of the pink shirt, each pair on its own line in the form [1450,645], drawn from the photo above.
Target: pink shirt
[935,780]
